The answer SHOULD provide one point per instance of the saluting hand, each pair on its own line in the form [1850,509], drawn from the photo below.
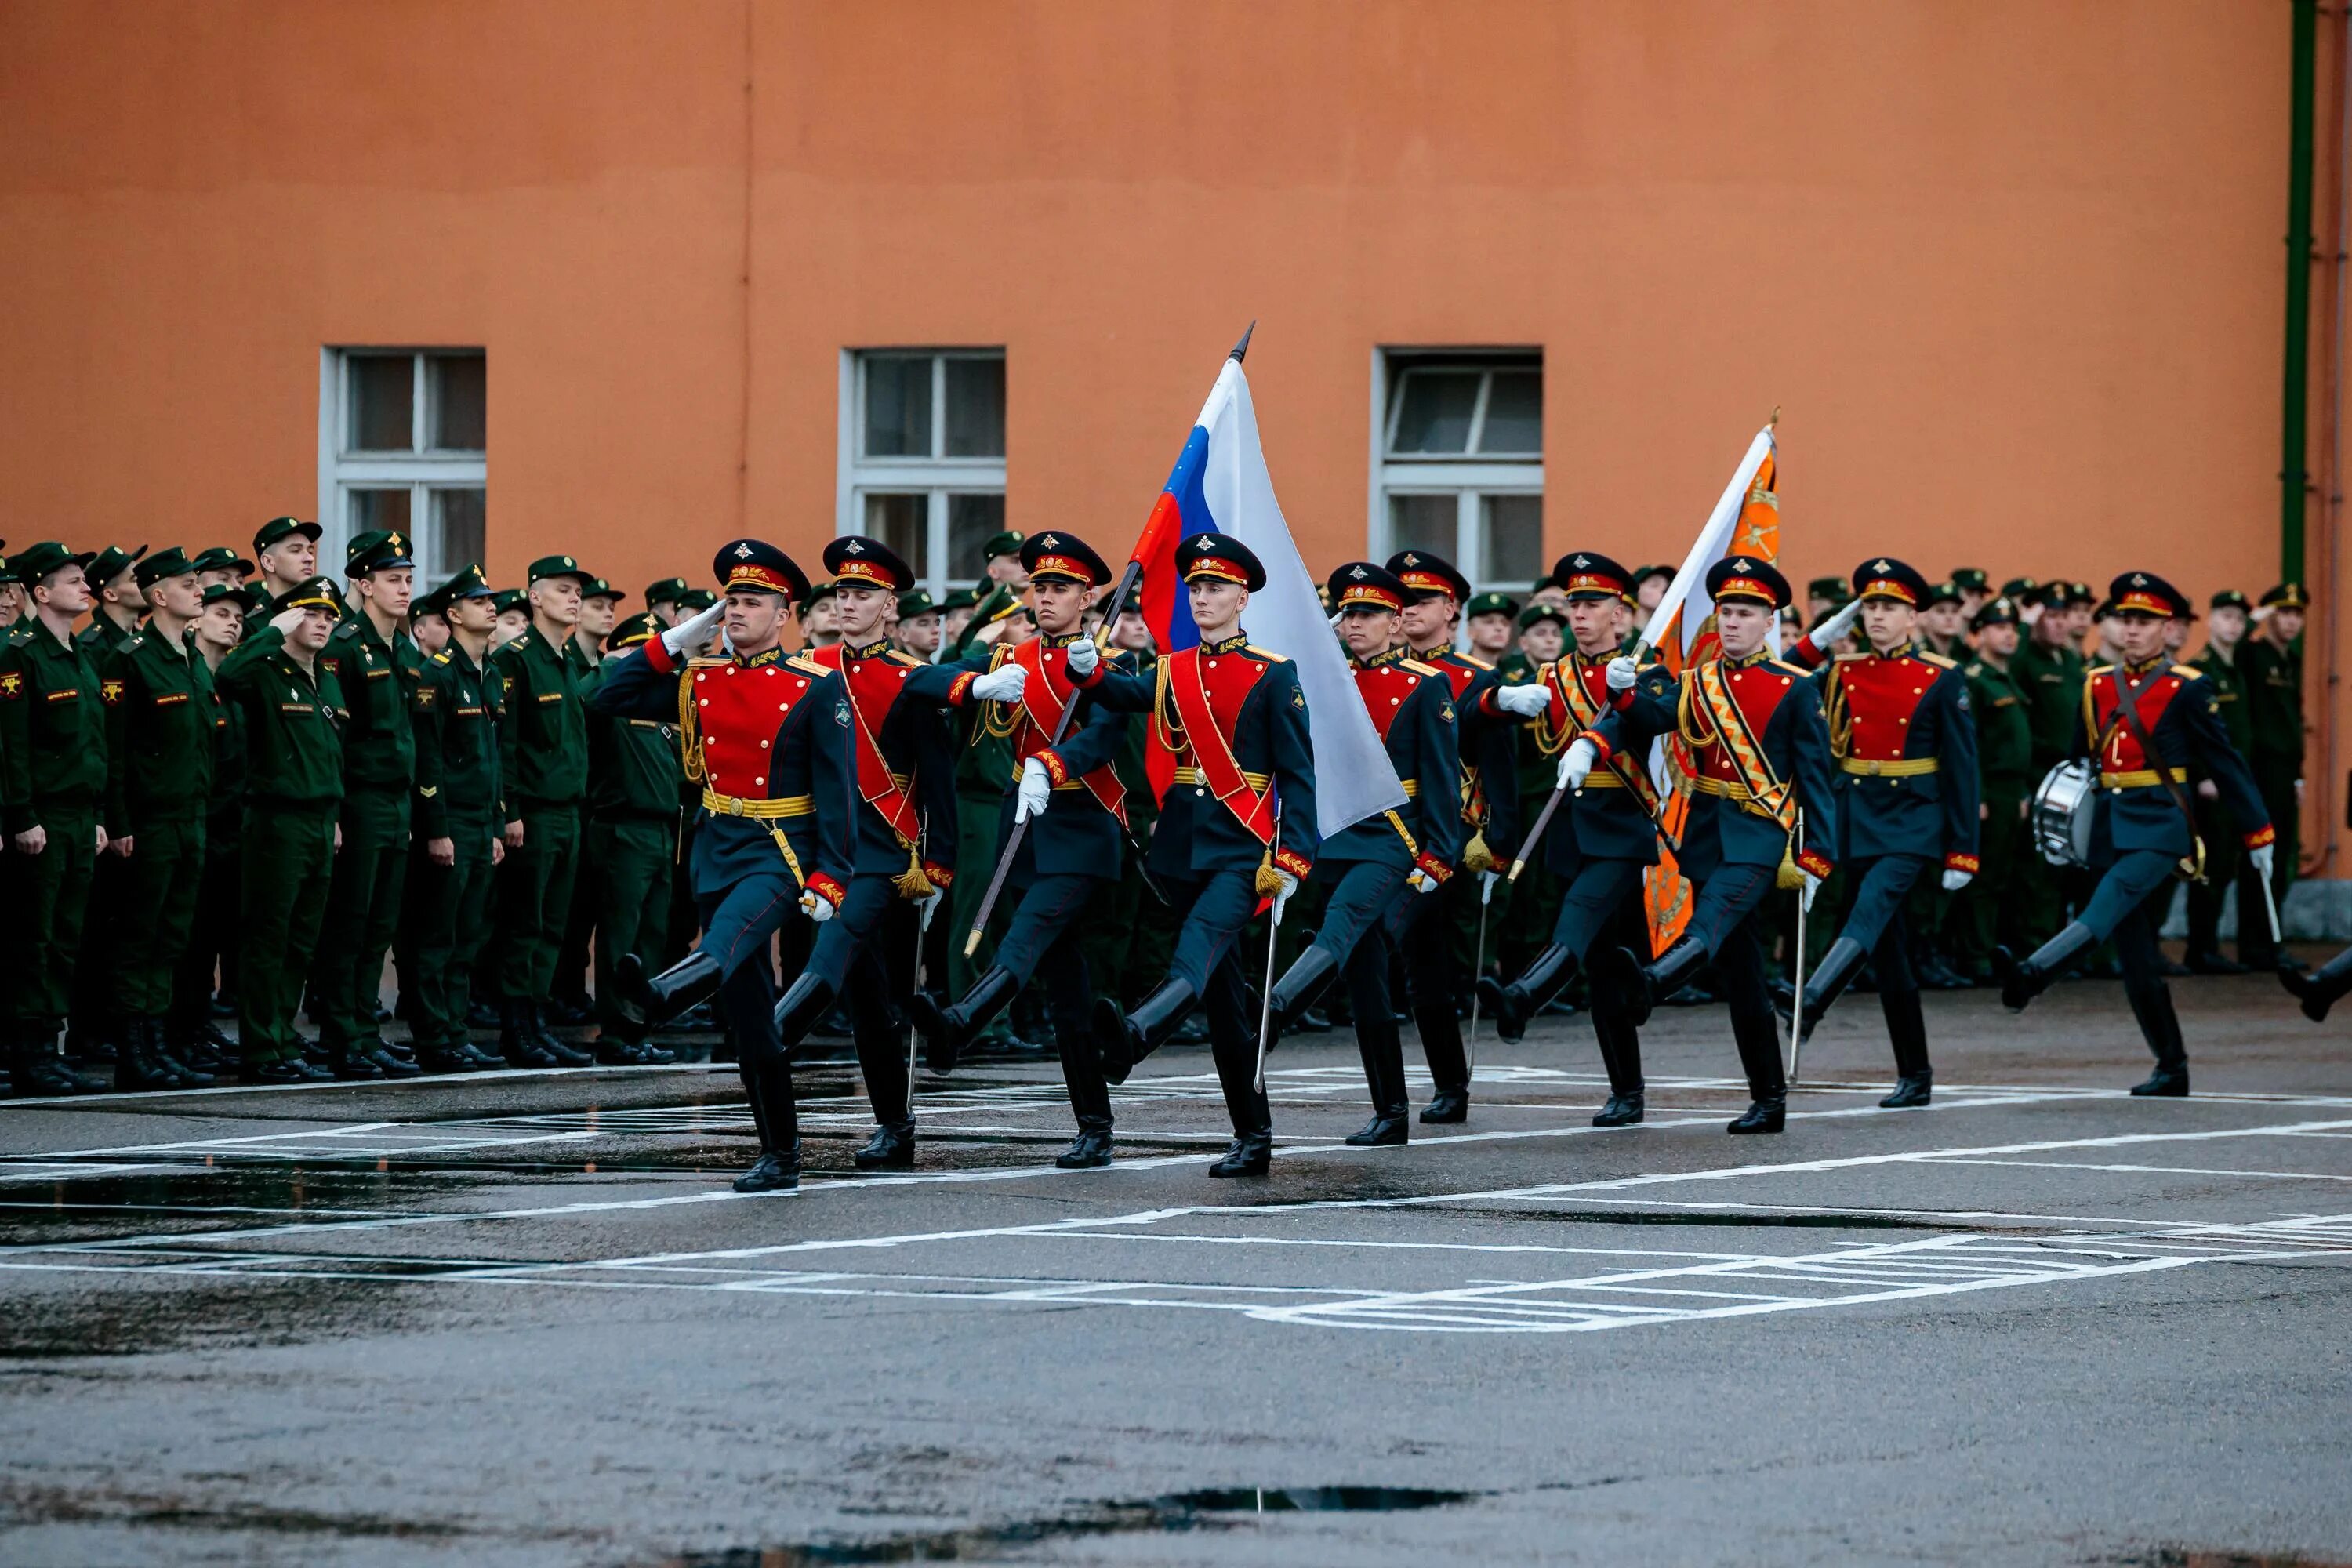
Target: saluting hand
[1832,630]
[1526,701]
[691,634]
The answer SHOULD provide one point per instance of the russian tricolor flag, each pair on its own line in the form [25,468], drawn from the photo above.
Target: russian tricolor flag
[1220,486]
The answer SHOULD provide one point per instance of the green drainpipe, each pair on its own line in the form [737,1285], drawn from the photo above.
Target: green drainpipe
[2294,480]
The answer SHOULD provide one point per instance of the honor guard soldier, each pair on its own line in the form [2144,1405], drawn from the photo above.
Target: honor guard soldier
[366,656]
[53,778]
[905,824]
[1441,963]
[460,817]
[544,766]
[1989,911]
[1905,747]
[2144,723]
[1228,727]
[1605,838]
[293,707]
[2273,658]
[1367,865]
[1075,808]
[1758,772]
[767,735]
[158,695]
[633,779]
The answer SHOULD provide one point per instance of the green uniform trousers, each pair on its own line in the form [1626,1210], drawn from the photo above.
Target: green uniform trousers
[451,907]
[635,859]
[535,899]
[1994,908]
[50,895]
[363,912]
[2276,776]
[288,865]
[211,945]
[2224,852]
[160,885]
[90,1006]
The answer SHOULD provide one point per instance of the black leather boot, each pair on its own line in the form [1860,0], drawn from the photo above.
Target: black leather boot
[892,1148]
[1123,1039]
[1512,1005]
[1449,1066]
[778,1167]
[2022,980]
[1625,1106]
[1249,1154]
[161,1047]
[802,1007]
[1298,989]
[691,980]
[1762,1116]
[546,1039]
[1384,1075]
[1089,1151]
[514,1042]
[1825,984]
[39,1068]
[1907,1027]
[1633,988]
[947,1030]
[136,1065]
[2320,988]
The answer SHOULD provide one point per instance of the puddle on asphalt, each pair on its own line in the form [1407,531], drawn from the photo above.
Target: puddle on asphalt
[1216,1508]
[2208,1557]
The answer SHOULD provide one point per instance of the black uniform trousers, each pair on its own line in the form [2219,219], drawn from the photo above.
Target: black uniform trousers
[1602,903]
[2124,907]
[1044,939]
[1881,886]
[847,956]
[1215,906]
[1723,920]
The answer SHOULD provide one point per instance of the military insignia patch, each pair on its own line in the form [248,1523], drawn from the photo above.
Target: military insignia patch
[1298,697]
[109,693]
[1446,712]
[11,685]
[841,714]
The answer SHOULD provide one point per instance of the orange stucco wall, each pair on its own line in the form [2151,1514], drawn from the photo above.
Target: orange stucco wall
[2012,267]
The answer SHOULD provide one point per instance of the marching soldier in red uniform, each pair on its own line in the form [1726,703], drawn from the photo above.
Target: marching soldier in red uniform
[905,832]
[2146,721]
[1076,809]
[1605,838]
[766,733]
[1906,746]
[1237,824]
[1758,771]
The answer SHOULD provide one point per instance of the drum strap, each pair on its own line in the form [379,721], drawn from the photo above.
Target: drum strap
[2128,715]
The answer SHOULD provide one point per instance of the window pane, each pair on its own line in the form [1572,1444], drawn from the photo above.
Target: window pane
[381,390]
[975,409]
[1511,544]
[903,524]
[972,521]
[1514,425]
[1434,409]
[385,509]
[897,406]
[460,404]
[456,531]
[1423,522]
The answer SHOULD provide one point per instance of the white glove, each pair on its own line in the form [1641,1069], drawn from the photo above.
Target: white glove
[816,906]
[1002,684]
[1526,701]
[693,632]
[1576,764]
[2261,859]
[1841,622]
[1422,882]
[928,906]
[1083,656]
[1289,886]
[1036,789]
[1622,671]
[1812,887]
[1955,879]
[1486,882]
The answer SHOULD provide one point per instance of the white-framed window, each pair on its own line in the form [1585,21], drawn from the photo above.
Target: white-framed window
[922,457]
[1457,461]
[403,444]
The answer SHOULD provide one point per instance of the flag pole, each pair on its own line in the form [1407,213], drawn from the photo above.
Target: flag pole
[1272,934]
[1797,1015]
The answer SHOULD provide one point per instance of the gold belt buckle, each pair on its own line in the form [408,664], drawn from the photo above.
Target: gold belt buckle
[734,806]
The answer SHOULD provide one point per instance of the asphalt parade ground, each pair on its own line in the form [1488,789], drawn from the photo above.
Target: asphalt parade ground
[522,1319]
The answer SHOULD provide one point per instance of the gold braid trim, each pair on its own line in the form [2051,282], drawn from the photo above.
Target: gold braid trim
[996,727]
[689,732]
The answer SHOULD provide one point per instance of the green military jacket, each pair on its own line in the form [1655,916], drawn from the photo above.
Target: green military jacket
[52,728]
[104,635]
[225,807]
[293,719]
[379,746]
[984,762]
[456,713]
[2004,729]
[2228,682]
[160,714]
[543,743]
[2274,703]
[2052,678]
[634,774]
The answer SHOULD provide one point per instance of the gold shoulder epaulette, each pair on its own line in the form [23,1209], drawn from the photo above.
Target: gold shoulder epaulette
[802,662]
[902,657]
[1977,668]
[1835,659]
[2187,672]
[1266,654]
[1940,660]
[1792,668]
[2096,670]
[1418,667]
[1474,661]
[701,661]
[441,658]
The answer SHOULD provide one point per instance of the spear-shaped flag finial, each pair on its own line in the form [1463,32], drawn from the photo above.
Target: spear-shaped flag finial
[1240,349]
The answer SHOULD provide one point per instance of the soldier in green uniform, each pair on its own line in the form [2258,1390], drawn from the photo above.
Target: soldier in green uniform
[1530,906]
[292,707]
[460,819]
[543,760]
[982,765]
[220,566]
[569,1003]
[1991,908]
[685,918]
[2272,661]
[363,656]
[117,600]
[112,579]
[1975,589]
[2225,630]
[635,779]
[158,696]
[1491,623]
[190,1031]
[2050,670]
[663,599]
[286,550]
[52,783]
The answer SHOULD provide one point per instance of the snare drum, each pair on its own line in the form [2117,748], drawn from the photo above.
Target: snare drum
[2061,814]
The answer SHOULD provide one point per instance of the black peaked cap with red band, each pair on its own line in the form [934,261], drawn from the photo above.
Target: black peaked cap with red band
[1221,556]
[1426,575]
[1360,585]
[757,567]
[1054,553]
[1883,577]
[854,558]
[1748,577]
[1589,574]
[2145,592]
